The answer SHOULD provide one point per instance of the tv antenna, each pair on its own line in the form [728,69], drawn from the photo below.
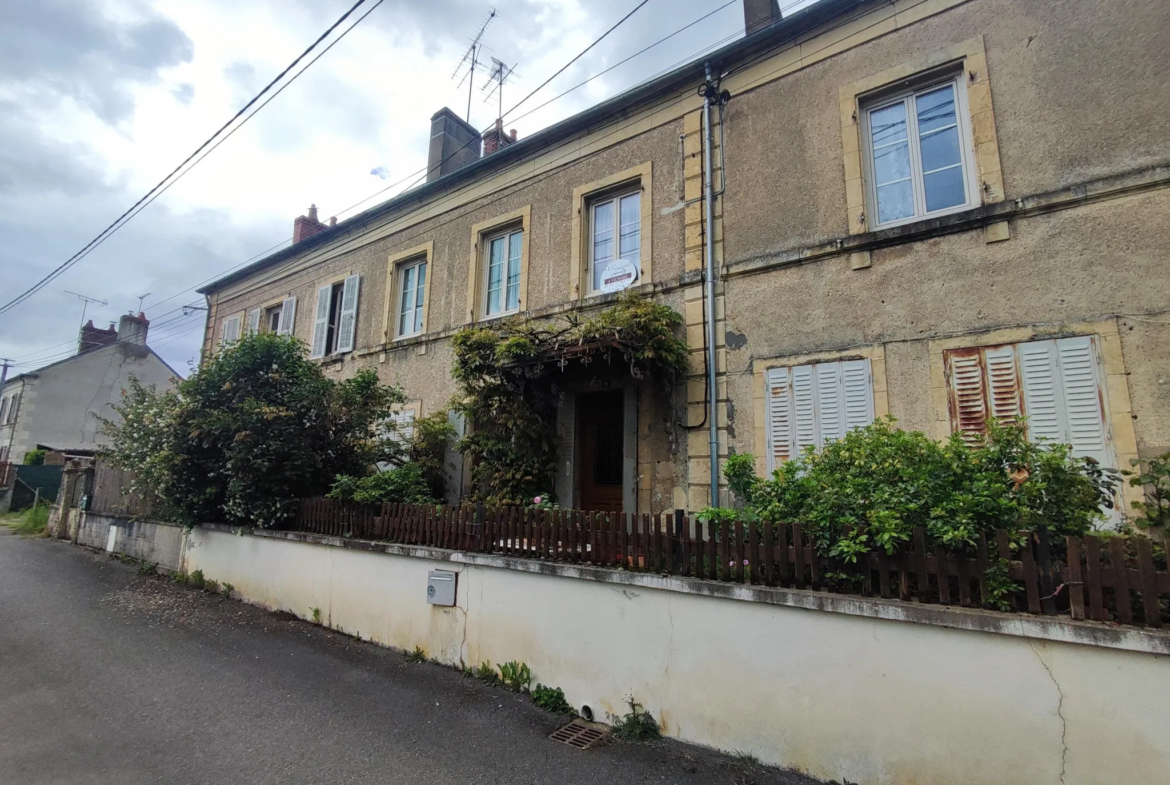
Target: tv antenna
[85,301]
[500,73]
[471,60]
[140,299]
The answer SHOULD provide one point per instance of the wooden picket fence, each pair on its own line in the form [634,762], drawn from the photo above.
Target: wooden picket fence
[1101,578]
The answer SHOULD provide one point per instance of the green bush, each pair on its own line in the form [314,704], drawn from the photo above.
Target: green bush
[636,725]
[405,485]
[35,457]
[551,699]
[875,486]
[1153,476]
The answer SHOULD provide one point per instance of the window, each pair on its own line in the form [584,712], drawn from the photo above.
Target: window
[335,322]
[615,247]
[4,410]
[412,288]
[918,154]
[1056,384]
[230,333]
[502,269]
[809,405]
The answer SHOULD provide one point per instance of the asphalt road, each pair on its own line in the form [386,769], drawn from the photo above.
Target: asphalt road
[110,677]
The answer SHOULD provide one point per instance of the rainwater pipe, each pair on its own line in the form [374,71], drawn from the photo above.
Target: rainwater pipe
[709,285]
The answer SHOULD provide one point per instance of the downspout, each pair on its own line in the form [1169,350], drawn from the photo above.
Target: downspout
[709,284]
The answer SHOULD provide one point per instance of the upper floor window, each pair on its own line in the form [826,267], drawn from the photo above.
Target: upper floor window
[615,248]
[918,154]
[230,332]
[809,405]
[4,410]
[1056,384]
[335,322]
[412,285]
[502,270]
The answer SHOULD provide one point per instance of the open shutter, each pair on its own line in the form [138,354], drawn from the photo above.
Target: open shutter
[231,331]
[253,321]
[857,388]
[288,316]
[804,411]
[830,406]
[1042,399]
[968,398]
[347,321]
[1084,415]
[779,411]
[321,323]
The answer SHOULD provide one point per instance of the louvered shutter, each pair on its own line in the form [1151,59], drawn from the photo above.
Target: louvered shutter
[347,321]
[231,331]
[321,323]
[253,321]
[1042,397]
[1002,383]
[1087,432]
[779,412]
[830,403]
[288,316]
[857,391]
[804,414]
[968,397]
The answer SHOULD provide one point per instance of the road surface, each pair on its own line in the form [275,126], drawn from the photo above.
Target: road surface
[114,678]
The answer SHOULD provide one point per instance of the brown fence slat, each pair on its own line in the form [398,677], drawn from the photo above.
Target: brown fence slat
[1031,575]
[962,571]
[1120,576]
[981,566]
[1003,547]
[737,571]
[1076,586]
[920,564]
[943,574]
[883,568]
[1149,582]
[709,571]
[798,555]
[782,563]
[769,555]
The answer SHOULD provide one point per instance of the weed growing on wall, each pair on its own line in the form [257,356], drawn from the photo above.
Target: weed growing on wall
[506,391]
[636,724]
[1153,476]
[515,676]
[551,699]
[486,673]
[418,655]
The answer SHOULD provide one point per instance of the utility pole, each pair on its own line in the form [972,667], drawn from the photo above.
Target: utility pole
[4,371]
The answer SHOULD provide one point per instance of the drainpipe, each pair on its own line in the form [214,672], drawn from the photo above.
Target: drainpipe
[709,284]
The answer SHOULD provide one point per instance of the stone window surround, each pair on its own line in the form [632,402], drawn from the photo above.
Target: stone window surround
[268,305]
[241,315]
[579,252]
[876,354]
[477,271]
[424,252]
[972,58]
[1115,384]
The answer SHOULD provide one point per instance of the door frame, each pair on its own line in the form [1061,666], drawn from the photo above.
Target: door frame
[567,490]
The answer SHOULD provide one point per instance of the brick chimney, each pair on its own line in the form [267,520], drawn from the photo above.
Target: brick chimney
[132,329]
[758,14]
[95,337]
[305,227]
[494,138]
[454,143]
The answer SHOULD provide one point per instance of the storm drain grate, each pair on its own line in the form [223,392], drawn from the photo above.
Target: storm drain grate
[578,734]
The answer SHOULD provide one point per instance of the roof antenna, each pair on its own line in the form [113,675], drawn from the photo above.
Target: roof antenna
[140,299]
[471,60]
[85,301]
[500,73]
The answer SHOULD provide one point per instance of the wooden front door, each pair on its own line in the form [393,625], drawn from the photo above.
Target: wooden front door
[600,429]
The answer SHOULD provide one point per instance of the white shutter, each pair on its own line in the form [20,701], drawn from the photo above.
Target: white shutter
[1084,414]
[288,316]
[231,331]
[830,408]
[321,322]
[779,412]
[804,413]
[968,402]
[253,321]
[347,321]
[857,391]
[1042,398]
[1003,383]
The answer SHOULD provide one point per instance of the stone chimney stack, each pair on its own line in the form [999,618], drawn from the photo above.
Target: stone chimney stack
[132,329]
[494,138]
[758,14]
[305,227]
[95,337]
[454,144]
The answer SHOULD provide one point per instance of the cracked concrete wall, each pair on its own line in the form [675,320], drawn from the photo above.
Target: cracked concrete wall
[839,697]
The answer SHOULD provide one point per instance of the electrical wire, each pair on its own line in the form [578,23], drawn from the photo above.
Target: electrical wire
[151,194]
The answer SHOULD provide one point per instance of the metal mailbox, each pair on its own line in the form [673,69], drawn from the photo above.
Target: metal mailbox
[441,587]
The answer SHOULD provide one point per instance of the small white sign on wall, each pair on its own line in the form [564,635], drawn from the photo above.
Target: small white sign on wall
[618,275]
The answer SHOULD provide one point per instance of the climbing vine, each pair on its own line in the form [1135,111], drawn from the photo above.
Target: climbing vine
[509,395]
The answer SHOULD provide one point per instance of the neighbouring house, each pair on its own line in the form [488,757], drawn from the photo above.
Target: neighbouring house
[57,407]
[942,210]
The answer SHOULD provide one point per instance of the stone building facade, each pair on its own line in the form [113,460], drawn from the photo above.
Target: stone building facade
[941,210]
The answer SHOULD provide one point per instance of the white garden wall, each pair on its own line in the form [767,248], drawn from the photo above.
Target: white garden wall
[833,693]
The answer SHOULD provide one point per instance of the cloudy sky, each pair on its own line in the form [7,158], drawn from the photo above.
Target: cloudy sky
[99,99]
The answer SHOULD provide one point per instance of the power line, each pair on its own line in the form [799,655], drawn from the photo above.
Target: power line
[130,213]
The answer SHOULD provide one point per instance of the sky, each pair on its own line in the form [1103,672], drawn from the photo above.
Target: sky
[99,99]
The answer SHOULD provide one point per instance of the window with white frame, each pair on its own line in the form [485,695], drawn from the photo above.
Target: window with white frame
[503,258]
[919,158]
[1055,384]
[412,288]
[4,410]
[615,247]
[809,405]
[335,318]
[230,332]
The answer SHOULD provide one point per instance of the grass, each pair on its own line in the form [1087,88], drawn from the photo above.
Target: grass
[30,523]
